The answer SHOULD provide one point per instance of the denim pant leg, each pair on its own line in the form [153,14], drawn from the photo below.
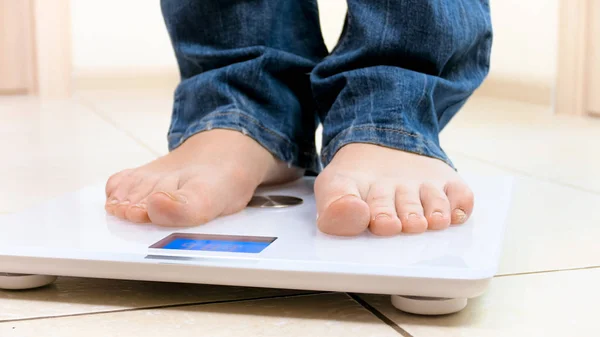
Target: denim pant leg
[245,65]
[401,70]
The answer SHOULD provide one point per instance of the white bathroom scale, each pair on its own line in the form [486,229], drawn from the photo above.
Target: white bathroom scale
[273,243]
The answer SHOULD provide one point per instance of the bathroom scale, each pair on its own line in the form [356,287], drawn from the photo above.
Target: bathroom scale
[272,243]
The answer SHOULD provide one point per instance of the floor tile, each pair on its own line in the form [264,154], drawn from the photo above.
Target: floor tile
[549,226]
[545,305]
[145,114]
[71,296]
[321,315]
[54,147]
[528,138]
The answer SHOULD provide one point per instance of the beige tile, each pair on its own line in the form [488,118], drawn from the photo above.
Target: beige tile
[468,165]
[71,296]
[528,138]
[322,315]
[53,147]
[549,227]
[143,113]
[549,304]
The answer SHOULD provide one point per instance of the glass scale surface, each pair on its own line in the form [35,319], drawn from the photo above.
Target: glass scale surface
[273,243]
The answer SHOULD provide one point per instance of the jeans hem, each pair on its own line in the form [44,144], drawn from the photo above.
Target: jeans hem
[387,137]
[278,145]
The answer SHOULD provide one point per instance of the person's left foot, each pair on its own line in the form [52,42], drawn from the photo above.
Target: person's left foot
[388,191]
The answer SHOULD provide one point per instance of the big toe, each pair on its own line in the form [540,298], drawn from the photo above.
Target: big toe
[195,203]
[461,200]
[341,210]
[168,208]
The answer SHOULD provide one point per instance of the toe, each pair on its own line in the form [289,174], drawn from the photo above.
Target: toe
[136,211]
[436,206]
[142,189]
[154,202]
[195,203]
[384,219]
[117,202]
[113,182]
[340,207]
[410,209]
[461,200]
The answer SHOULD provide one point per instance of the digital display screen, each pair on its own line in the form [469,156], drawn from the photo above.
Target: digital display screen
[215,243]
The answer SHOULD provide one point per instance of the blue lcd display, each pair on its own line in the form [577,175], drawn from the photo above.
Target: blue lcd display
[215,245]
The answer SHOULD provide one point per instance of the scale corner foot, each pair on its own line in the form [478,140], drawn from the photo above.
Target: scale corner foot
[11,281]
[429,306]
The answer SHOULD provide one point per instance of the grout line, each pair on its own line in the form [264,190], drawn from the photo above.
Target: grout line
[380,315]
[88,104]
[548,271]
[525,174]
[168,306]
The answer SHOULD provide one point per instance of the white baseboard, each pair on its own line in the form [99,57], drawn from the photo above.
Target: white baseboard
[121,79]
[530,91]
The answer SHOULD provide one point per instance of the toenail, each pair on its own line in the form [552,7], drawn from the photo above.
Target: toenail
[142,206]
[113,201]
[124,203]
[382,216]
[345,195]
[178,198]
[437,214]
[460,215]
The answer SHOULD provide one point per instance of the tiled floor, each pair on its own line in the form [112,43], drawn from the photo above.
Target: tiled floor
[547,284]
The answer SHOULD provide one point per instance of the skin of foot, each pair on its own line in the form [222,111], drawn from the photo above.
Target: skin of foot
[389,192]
[196,182]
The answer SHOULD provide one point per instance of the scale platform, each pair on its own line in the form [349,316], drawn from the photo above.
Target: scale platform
[273,243]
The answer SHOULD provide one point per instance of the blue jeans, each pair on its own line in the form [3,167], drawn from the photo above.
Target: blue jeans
[401,70]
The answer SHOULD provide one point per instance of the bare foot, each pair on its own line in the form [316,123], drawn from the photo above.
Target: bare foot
[213,173]
[389,192]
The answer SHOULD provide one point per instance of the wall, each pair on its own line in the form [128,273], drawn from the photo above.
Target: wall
[113,35]
[525,39]
[593,102]
[130,36]
[16,47]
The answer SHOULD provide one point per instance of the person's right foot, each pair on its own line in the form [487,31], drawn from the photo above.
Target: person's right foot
[196,182]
